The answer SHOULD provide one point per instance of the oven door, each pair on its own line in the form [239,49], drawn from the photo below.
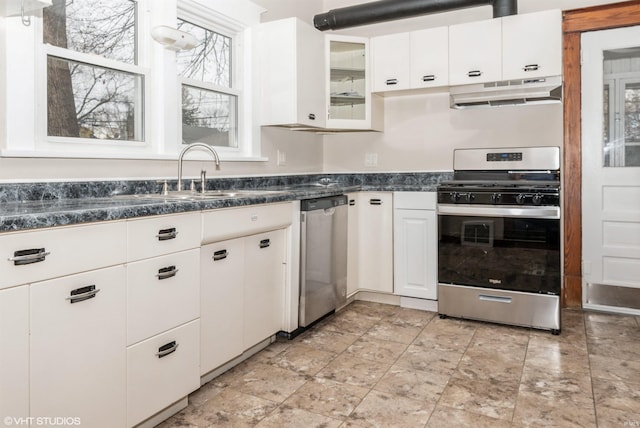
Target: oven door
[506,248]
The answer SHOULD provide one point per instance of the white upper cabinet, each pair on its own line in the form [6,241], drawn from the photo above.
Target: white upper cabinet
[351,106]
[391,57]
[532,45]
[291,73]
[412,60]
[430,57]
[475,52]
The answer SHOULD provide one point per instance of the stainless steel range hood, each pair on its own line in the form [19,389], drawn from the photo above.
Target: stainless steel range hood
[544,90]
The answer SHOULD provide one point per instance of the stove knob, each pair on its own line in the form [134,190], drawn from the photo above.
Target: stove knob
[520,198]
[465,197]
[537,199]
[455,196]
[495,198]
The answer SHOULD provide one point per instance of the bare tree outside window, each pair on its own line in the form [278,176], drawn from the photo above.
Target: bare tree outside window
[86,100]
[208,115]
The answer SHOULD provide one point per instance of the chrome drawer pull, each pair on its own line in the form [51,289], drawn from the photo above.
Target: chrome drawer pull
[26,257]
[498,299]
[83,293]
[375,201]
[167,349]
[220,255]
[531,67]
[166,234]
[167,272]
[265,243]
[429,78]
[391,82]
[474,73]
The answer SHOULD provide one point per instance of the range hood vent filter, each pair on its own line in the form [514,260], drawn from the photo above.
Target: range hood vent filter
[507,93]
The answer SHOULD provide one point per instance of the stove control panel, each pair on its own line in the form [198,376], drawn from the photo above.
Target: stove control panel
[545,197]
[504,157]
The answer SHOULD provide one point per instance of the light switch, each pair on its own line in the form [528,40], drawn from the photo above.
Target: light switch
[282,158]
[370,159]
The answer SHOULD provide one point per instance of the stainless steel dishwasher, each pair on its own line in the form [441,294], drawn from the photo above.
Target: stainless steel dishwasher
[323,257]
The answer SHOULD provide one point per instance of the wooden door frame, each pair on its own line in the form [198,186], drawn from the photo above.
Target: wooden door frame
[574,23]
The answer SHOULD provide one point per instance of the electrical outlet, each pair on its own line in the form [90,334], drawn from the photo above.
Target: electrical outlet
[282,158]
[370,159]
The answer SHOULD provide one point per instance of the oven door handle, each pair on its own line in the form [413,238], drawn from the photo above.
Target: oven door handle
[552,213]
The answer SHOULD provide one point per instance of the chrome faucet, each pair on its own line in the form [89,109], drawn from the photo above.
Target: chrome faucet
[193,146]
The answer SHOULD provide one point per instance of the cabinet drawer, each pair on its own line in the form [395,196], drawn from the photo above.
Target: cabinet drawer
[158,377]
[224,224]
[162,235]
[415,200]
[162,293]
[42,254]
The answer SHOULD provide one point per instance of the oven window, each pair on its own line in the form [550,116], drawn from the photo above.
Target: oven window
[519,254]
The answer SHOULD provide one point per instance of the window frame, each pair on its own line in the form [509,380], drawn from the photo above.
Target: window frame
[25,133]
[187,11]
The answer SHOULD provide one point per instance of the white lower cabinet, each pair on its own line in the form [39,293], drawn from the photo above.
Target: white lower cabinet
[160,371]
[242,295]
[353,268]
[415,245]
[264,286]
[77,348]
[14,353]
[375,241]
[222,267]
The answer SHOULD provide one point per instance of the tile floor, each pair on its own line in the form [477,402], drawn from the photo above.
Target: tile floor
[374,365]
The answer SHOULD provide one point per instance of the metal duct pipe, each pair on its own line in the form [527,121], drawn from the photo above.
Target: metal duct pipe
[388,10]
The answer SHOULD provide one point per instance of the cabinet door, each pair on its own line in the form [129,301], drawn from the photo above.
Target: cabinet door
[78,349]
[291,69]
[14,352]
[415,252]
[353,251]
[222,267]
[532,45]
[430,57]
[391,57]
[475,52]
[376,241]
[264,286]
[349,100]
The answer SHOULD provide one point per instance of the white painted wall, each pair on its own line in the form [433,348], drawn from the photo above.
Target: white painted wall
[421,131]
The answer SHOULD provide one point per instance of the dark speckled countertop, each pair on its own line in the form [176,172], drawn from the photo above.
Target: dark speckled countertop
[38,205]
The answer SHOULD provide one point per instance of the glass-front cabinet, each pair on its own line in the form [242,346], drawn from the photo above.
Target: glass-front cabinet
[350,103]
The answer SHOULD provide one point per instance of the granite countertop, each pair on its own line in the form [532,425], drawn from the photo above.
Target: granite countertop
[32,209]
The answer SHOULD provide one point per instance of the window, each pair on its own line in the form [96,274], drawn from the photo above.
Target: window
[94,87]
[621,98]
[209,101]
[97,85]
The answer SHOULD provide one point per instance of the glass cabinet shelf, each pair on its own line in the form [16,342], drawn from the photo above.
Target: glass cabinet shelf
[342,74]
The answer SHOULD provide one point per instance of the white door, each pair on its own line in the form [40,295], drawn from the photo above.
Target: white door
[611,169]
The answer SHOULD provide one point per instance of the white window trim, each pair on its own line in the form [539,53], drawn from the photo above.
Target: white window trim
[25,110]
